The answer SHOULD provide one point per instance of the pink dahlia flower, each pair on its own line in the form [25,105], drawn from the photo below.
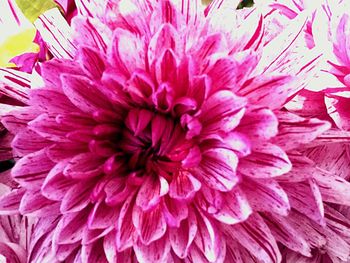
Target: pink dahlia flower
[159,134]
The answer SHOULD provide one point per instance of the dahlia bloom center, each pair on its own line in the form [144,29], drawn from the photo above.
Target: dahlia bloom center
[150,141]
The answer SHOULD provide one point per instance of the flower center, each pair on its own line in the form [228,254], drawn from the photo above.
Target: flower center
[150,141]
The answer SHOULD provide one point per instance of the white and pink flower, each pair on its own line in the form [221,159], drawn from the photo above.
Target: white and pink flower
[158,133]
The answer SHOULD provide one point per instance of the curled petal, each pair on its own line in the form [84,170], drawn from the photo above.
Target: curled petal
[183,186]
[151,191]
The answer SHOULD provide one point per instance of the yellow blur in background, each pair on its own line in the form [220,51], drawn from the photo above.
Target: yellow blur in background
[16,33]
[17,44]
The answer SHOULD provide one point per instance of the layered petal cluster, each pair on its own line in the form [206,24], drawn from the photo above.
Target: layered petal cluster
[12,94]
[158,134]
[328,29]
[15,232]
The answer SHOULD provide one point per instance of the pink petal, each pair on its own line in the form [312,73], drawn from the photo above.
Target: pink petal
[9,203]
[156,252]
[223,74]
[140,86]
[265,161]
[285,233]
[208,238]
[50,100]
[256,237]
[218,169]
[260,124]
[93,253]
[151,191]
[183,186]
[268,91]
[65,150]
[235,208]
[90,8]
[166,67]
[340,47]
[56,184]
[233,251]
[294,130]
[127,52]
[138,120]
[266,195]
[222,111]
[303,168]
[338,109]
[102,148]
[92,32]
[150,225]
[77,197]
[117,191]
[17,120]
[125,228]
[27,142]
[174,211]
[34,204]
[91,61]
[306,228]
[84,166]
[165,38]
[71,227]
[306,198]
[199,87]
[238,142]
[282,44]
[31,170]
[51,72]
[209,46]
[334,189]
[181,238]
[309,104]
[6,152]
[47,127]
[102,216]
[15,84]
[11,252]
[83,94]
[109,247]
[332,157]
[338,222]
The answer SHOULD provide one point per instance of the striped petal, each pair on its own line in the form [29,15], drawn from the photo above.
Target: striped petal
[256,237]
[56,33]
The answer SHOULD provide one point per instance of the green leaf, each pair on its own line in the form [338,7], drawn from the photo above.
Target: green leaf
[32,9]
